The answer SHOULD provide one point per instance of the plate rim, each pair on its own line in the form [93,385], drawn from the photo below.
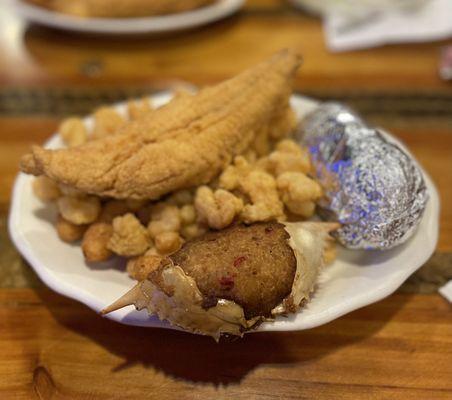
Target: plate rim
[128,26]
[68,290]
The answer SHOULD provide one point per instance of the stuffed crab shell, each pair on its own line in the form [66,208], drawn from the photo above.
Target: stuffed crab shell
[229,281]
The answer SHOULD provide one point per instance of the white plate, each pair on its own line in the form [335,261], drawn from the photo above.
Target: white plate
[355,279]
[152,24]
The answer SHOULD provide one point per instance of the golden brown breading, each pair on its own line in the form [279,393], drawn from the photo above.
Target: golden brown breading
[299,192]
[120,8]
[138,108]
[187,214]
[183,144]
[140,267]
[45,189]
[168,242]
[217,209]
[129,237]
[164,218]
[192,231]
[69,232]
[106,122]
[73,132]
[95,242]
[79,210]
[259,186]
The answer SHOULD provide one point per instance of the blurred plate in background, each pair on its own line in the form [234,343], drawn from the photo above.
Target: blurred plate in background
[153,24]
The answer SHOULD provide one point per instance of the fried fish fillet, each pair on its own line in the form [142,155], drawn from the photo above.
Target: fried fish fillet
[120,8]
[228,281]
[183,144]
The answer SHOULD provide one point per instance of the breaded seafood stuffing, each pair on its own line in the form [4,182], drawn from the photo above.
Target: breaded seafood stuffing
[230,281]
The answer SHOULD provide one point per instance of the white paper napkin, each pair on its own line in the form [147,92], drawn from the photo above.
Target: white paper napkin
[432,21]
[446,291]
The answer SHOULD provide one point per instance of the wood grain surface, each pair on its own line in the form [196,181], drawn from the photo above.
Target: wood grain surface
[55,348]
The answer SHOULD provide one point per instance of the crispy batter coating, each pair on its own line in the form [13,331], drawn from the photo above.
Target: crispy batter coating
[106,122]
[218,208]
[305,209]
[193,231]
[45,189]
[283,124]
[231,177]
[167,242]
[261,141]
[186,143]
[140,267]
[289,157]
[79,210]
[95,242]
[138,108]
[120,8]
[73,132]
[261,189]
[289,146]
[259,186]
[70,191]
[250,156]
[129,237]
[164,218]
[69,232]
[251,265]
[187,214]
[299,192]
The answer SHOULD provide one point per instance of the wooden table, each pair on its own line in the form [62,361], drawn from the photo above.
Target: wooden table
[55,348]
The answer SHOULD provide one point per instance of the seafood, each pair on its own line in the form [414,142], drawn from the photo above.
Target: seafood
[230,281]
[185,143]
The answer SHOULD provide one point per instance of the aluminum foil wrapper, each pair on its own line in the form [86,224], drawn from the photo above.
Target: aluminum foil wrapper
[372,187]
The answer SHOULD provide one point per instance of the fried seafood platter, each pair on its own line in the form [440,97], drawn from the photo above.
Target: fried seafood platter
[204,199]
